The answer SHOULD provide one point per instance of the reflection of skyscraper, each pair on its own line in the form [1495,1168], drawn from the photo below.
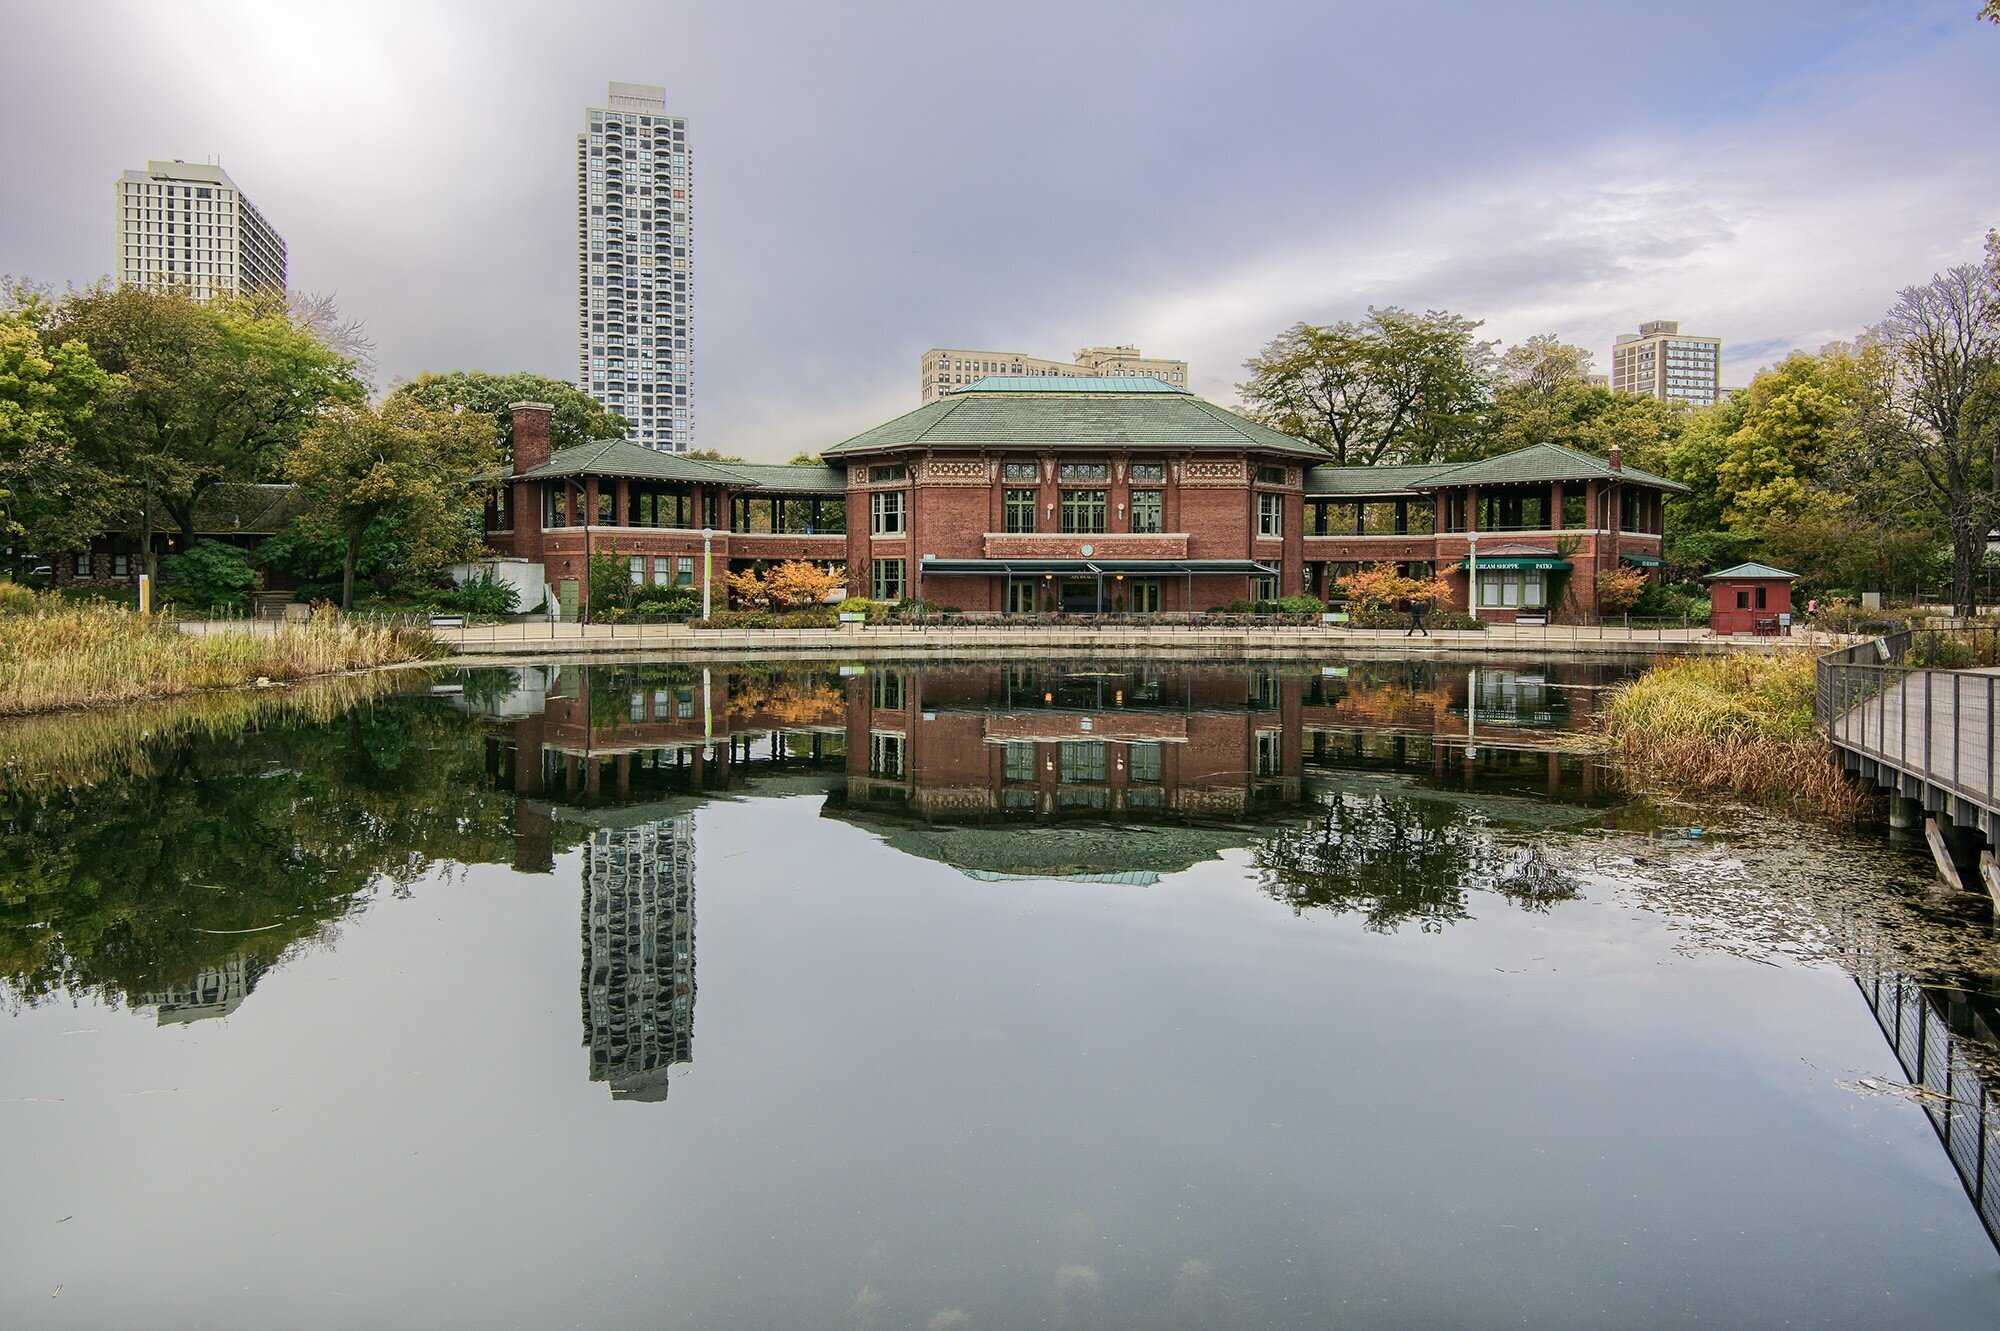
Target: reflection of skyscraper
[215,992]
[638,955]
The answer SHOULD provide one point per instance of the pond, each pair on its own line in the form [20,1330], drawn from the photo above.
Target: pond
[1037,993]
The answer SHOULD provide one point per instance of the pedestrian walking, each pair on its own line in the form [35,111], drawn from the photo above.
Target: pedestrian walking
[1418,606]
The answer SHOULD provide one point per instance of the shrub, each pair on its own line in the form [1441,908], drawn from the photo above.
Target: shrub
[659,602]
[1381,585]
[1301,605]
[1619,589]
[15,599]
[481,595]
[1383,617]
[208,575]
[610,584]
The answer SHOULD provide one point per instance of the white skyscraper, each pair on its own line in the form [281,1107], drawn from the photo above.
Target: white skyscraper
[188,225]
[635,265]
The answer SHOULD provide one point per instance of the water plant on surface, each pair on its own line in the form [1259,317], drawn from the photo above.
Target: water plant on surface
[1732,725]
[63,655]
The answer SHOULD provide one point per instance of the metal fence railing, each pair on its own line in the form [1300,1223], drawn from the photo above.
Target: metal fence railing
[1924,701]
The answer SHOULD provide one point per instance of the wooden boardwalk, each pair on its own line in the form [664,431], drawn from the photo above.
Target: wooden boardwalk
[1936,725]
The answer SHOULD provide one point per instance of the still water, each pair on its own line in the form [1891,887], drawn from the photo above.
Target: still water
[1060,994]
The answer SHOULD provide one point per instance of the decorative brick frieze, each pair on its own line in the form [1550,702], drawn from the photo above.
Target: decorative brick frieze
[955,471]
[1213,473]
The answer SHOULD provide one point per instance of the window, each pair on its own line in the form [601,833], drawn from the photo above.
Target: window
[1085,472]
[662,570]
[1270,752]
[1760,596]
[1742,600]
[1020,472]
[637,565]
[1145,763]
[121,566]
[892,471]
[1574,513]
[1143,598]
[1149,473]
[82,565]
[1264,587]
[888,579]
[1082,762]
[1270,515]
[684,571]
[1018,762]
[1019,511]
[1512,589]
[885,509]
[885,755]
[1021,598]
[1148,510]
[1083,510]
[888,685]
[1270,475]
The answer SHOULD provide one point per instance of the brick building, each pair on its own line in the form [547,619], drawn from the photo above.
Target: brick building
[1032,494]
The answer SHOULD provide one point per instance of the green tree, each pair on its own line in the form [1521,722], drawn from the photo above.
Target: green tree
[207,393]
[1397,387]
[711,455]
[53,496]
[209,574]
[1543,363]
[418,464]
[578,418]
[1940,342]
[1792,419]
[1583,416]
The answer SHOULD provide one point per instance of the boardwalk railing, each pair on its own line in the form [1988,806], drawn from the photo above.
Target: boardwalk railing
[1910,700]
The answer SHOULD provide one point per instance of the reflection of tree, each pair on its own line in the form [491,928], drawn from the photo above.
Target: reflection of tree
[235,847]
[797,700]
[1533,882]
[1393,860]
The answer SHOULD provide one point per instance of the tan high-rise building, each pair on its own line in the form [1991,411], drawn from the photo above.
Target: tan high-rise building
[188,225]
[947,369]
[1662,362]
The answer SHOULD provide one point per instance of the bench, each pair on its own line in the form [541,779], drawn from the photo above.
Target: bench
[447,621]
[1532,621]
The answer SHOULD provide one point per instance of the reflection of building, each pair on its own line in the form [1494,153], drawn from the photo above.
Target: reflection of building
[638,955]
[215,992]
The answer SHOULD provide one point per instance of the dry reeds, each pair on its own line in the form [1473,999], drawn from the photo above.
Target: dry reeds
[59,656]
[1740,726]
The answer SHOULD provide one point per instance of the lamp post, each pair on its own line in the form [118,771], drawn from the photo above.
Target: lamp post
[707,563]
[1472,573]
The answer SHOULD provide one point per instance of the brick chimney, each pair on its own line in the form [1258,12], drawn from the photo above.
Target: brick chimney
[1617,457]
[531,434]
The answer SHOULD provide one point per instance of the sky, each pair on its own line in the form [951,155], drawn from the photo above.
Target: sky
[873,179]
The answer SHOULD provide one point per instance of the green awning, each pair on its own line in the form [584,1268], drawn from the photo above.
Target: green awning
[1092,567]
[1520,561]
[1641,561]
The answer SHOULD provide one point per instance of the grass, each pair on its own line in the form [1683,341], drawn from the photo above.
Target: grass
[59,655]
[56,751]
[1739,726]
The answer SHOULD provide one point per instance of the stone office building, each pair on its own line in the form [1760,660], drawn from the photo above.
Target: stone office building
[1078,495]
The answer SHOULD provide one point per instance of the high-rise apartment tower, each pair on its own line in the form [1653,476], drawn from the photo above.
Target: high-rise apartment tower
[1661,361]
[635,265]
[188,225]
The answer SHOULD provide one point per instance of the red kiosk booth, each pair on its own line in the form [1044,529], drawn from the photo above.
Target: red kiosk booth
[1750,598]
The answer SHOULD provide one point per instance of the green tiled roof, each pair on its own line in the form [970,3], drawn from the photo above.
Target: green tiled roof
[1032,411]
[617,457]
[1327,479]
[1538,464]
[795,479]
[1751,571]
